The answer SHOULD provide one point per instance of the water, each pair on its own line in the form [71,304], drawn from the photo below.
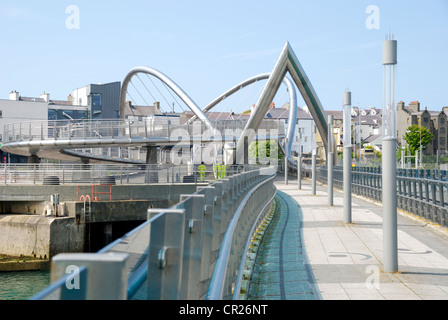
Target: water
[22,285]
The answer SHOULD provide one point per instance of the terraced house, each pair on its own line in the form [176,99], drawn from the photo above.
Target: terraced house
[434,121]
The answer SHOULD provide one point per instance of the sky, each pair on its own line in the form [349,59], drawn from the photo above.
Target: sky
[207,47]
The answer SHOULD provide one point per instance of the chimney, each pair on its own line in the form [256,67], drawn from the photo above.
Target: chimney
[45,96]
[414,106]
[157,105]
[70,99]
[14,96]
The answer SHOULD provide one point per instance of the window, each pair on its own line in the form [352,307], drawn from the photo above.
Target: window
[96,99]
[96,105]
[52,115]
[442,120]
[426,119]
[1,113]
[442,141]
[442,130]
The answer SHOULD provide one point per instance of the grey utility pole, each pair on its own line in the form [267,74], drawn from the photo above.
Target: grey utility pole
[313,173]
[347,156]
[389,158]
[286,160]
[299,161]
[330,159]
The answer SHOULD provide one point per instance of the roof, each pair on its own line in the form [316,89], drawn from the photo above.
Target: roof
[372,138]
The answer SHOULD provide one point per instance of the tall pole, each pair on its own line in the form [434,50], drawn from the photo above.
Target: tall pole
[313,162]
[347,157]
[286,160]
[313,169]
[299,162]
[421,151]
[330,160]
[389,183]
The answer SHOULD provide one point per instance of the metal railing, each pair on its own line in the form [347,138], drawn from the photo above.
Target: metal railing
[117,128]
[419,191]
[192,250]
[59,174]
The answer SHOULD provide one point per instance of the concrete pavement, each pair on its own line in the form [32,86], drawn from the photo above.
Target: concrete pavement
[346,259]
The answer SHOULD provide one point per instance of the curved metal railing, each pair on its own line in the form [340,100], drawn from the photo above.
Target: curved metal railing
[192,250]
[116,129]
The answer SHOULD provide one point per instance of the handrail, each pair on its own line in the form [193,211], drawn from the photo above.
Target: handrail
[218,280]
[173,252]
[58,289]
[238,282]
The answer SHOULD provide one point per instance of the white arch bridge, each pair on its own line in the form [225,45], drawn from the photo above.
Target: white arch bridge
[69,139]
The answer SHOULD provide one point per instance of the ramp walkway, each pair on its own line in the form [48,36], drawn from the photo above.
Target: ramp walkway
[338,261]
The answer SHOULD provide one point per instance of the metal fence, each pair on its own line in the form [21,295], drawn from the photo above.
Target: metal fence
[422,192]
[58,174]
[118,128]
[194,250]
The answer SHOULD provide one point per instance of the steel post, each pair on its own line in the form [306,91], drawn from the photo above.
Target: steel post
[106,273]
[330,155]
[286,161]
[313,173]
[330,178]
[389,196]
[347,176]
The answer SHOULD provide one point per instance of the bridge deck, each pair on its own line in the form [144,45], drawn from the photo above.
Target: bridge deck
[345,260]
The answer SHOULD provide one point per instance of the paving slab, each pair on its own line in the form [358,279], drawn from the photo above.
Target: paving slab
[344,261]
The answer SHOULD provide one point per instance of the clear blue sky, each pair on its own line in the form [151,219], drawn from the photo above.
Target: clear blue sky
[209,46]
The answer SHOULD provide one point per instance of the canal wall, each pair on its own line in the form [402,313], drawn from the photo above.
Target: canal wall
[40,236]
[29,225]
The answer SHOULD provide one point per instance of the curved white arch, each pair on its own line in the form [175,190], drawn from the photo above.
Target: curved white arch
[171,84]
[292,102]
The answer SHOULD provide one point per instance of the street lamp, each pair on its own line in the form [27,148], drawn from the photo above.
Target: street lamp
[347,156]
[299,160]
[389,158]
[420,150]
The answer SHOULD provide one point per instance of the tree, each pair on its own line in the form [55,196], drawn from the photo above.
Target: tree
[263,151]
[417,136]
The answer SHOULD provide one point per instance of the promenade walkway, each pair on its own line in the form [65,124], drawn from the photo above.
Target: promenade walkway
[310,253]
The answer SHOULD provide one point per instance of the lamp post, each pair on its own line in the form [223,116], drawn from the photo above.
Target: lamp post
[347,157]
[420,150]
[330,160]
[389,159]
[299,161]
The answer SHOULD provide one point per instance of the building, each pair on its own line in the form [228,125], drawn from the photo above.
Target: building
[20,109]
[90,102]
[102,100]
[434,121]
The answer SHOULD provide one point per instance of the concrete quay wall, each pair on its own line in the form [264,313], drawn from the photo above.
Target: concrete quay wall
[30,193]
[40,236]
[26,230]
